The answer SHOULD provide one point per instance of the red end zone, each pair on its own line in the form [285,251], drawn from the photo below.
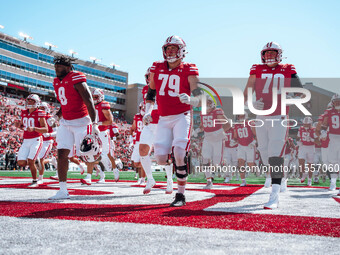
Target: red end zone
[192,215]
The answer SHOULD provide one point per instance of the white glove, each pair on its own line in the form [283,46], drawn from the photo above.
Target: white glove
[195,132]
[46,135]
[95,129]
[52,120]
[232,143]
[323,134]
[186,99]
[259,105]
[252,145]
[147,119]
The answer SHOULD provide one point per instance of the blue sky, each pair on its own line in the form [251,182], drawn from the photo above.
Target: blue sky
[224,38]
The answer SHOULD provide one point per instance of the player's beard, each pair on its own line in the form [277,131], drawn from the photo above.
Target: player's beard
[62,74]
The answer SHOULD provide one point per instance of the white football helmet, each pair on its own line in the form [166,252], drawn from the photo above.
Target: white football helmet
[36,100]
[182,48]
[141,109]
[45,107]
[91,148]
[147,75]
[210,103]
[242,117]
[307,122]
[336,101]
[99,94]
[272,46]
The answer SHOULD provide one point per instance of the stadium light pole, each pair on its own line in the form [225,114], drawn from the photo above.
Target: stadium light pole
[25,36]
[50,45]
[94,59]
[72,52]
[114,65]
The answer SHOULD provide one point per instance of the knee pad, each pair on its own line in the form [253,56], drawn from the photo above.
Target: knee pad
[276,165]
[181,172]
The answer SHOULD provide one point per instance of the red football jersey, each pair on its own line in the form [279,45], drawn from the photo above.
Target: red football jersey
[50,129]
[139,126]
[154,113]
[31,120]
[325,143]
[333,121]
[72,105]
[207,120]
[306,135]
[114,130]
[244,134]
[170,83]
[229,137]
[103,105]
[267,78]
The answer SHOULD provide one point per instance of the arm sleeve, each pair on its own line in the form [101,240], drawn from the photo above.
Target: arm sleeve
[295,82]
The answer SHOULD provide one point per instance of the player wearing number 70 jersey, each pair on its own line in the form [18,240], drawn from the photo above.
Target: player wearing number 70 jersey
[264,79]
[173,81]
[76,106]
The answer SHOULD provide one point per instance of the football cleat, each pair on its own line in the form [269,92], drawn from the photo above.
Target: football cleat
[86,181]
[243,184]
[60,195]
[150,183]
[169,187]
[116,174]
[227,180]
[273,202]
[101,180]
[139,181]
[40,182]
[283,187]
[55,177]
[34,184]
[309,183]
[179,200]
[304,176]
[208,186]
[332,187]
[268,183]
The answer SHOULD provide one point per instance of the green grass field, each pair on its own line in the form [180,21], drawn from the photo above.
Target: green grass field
[160,176]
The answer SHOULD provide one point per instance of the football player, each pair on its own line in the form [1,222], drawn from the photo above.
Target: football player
[34,125]
[306,149]
[272,135]
[331,121]
[104,120]
[230,154]
[245,135]
[77,115]
[213,142]
[173,81]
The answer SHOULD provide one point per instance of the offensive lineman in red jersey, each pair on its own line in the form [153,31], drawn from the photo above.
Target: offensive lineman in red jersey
[33,123]
[331,120]
[272,135]
[173,81]
[76,106]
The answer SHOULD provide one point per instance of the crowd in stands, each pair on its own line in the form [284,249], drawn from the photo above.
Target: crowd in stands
[11,137]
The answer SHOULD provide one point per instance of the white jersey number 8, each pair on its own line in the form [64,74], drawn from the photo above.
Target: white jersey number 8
[62,96]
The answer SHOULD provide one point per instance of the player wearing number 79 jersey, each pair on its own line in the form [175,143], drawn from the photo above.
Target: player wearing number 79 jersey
[76,113]
[173,81]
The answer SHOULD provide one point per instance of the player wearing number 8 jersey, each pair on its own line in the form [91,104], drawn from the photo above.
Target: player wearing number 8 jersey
[173,81]
[33,123]
[76,106]
[264,79]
